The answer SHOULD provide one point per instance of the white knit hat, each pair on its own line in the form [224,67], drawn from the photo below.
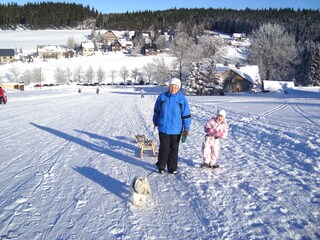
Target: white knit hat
[175,81]
[222,112]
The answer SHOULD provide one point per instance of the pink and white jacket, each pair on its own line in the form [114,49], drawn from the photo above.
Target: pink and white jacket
[215,129]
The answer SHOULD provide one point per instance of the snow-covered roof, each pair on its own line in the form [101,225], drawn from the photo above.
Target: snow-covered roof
[239,35]
[277,86]
[249,72]
[87,45]
[51,48]
[124,42]
[120,34]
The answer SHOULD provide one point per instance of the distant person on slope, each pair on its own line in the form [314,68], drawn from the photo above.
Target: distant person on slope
[142,93]
[173,118]
[2,96]
[216,129]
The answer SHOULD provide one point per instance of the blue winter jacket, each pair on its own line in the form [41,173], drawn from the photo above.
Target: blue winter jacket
[172,113]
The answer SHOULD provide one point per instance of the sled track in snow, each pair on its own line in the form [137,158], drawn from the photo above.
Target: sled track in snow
[273,110]
[264,114]
[295,107]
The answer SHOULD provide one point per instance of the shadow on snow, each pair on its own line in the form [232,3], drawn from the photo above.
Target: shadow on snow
[110,184]
[97,148]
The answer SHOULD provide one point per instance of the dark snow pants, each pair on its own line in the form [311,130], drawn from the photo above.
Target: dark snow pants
[168,151]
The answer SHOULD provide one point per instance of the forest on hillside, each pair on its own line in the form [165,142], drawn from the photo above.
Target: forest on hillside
[303,24]
[44,15]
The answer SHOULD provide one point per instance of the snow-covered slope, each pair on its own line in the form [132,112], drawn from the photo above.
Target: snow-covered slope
[67,161]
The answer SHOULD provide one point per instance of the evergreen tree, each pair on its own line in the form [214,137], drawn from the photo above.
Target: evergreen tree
[315,66]
[204,79]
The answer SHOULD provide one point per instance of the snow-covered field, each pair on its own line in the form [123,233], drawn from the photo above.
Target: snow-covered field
[28,40]
[67,160]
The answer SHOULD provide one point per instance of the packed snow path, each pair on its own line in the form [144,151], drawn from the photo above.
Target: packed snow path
[67,161]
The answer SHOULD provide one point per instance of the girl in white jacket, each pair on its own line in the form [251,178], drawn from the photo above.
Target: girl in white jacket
[216,129]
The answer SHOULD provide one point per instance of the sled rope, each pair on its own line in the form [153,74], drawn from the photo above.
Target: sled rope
[152,172]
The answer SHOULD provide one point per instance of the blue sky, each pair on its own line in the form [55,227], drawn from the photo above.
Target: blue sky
[120,6]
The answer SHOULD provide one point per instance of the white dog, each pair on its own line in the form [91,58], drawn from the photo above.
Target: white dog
[140,189]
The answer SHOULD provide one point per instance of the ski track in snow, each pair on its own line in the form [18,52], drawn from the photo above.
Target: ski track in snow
[68,160]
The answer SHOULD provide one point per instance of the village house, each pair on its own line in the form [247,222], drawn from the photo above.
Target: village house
[118,40]
[146,38]
[110,37]
[87,48]
[238,79]
[148,50]
[18,86]
[126,44]
[116,46]
[239,36]
[239,39]
[7,56]
[53,52]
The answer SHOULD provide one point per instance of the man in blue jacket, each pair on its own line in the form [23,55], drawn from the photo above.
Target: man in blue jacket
[173,118]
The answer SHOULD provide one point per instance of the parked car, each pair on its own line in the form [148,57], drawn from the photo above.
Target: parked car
[37,85]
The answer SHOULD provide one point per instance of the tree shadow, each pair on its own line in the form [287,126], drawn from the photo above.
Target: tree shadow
[110,184]
[97,148]
[116,143]
[111,142]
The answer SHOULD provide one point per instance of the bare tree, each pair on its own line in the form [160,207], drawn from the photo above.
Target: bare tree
[101,75]
[71,43]
[180,49]
[124,73]
[211,46]
[181,28]
[137,45]
[89,74]
[148,71]
[112,75]
[37,75]
[135,74]
[60,76]
[162,72]
[27,77]
[78,74]
[273,49]
[161,42]
[68,74]
[14,72]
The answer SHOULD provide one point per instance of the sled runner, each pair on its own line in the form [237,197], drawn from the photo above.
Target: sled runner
[147,144]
